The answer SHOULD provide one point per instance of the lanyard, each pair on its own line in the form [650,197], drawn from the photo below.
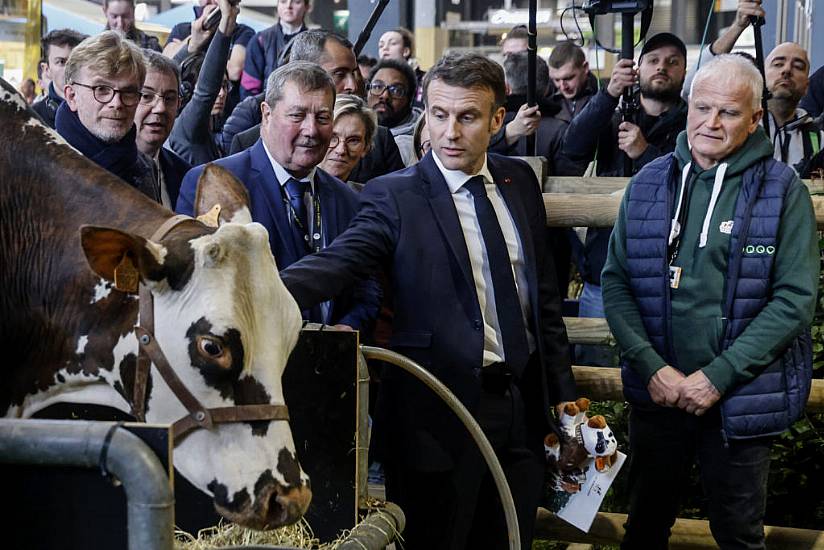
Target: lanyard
[682,211]
[313,239]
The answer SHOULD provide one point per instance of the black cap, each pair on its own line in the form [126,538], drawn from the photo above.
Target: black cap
[664,39]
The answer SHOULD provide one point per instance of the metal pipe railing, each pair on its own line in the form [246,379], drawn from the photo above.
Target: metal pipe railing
[475,431]
[150,502]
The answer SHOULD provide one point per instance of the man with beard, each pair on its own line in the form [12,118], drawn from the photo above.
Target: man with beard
[154,118]
[390,92]
[302,207]
[795,135]
[120,17]
[661,116]
[57,45]
[104,76]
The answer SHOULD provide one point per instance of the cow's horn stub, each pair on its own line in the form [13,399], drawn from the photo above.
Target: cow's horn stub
[211,218]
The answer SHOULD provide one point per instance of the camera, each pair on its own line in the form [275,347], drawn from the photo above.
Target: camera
[601,7]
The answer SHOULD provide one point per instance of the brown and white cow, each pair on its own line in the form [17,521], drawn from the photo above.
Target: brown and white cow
[222,316]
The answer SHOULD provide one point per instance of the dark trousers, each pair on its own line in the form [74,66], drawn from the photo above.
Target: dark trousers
[664,443]
[460,508]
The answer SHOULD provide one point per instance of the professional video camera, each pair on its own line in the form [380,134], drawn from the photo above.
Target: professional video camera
[602,7]
[630,105]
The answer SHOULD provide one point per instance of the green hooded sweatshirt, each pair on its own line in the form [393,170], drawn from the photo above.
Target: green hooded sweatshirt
[697,303]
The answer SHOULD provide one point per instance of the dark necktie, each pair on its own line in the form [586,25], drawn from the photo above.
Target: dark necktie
[300,229]
[296,190]
[507,304]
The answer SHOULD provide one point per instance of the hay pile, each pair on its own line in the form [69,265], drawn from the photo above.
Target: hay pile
[299,535]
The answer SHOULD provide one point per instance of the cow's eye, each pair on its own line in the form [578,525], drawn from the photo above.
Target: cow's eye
[210,347]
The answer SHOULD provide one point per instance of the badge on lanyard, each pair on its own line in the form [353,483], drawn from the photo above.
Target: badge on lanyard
[674,276]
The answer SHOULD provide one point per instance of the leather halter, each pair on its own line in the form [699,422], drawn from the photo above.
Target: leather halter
[150,353]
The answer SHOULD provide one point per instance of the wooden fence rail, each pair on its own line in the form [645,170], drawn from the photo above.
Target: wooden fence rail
[600,210]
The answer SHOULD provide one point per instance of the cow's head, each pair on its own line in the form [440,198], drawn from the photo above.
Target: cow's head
[227,325]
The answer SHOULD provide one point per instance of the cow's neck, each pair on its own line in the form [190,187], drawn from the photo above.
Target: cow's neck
[64,325]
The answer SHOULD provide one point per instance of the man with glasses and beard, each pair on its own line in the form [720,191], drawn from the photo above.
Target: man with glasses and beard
[661,115]
[104,76]
[390,93]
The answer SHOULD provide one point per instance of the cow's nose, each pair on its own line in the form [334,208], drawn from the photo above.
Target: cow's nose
[274,506]
[288,506]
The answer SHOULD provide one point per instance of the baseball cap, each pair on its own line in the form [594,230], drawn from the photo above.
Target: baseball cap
[664,39]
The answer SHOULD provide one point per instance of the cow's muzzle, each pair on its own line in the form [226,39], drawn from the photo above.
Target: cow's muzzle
[274,506]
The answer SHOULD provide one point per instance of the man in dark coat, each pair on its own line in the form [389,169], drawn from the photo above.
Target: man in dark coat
[155,115]
[475,303]
[334,53]
[572,85]
[104,76]
[302,207]
[549,137]
[56,47]
[601,127]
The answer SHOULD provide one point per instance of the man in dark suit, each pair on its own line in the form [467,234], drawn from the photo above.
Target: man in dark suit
[154,118]
[475,303]
[303,208]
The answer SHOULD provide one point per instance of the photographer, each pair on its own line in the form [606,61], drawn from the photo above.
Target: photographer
[661,115]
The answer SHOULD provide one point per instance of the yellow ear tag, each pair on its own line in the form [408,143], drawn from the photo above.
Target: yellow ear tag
[211,218]
[126,277]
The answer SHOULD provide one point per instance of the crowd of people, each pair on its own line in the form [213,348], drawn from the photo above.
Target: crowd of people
[393,207]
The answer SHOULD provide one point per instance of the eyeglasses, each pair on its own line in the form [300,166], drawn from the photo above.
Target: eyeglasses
[105,94]
[395,90]
[353,143]
[170,99]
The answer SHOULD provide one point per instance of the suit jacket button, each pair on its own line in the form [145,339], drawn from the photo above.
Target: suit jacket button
[477,324]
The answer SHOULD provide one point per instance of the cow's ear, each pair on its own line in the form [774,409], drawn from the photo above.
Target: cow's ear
[121,257]
[219,187]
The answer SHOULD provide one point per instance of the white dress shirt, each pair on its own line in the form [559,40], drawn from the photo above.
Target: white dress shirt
[481,274]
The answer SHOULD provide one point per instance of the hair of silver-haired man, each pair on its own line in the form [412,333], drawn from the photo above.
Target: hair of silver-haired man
[311,46]
[731,69]
[307,76]
[515,70]
[159,62]
[348,104]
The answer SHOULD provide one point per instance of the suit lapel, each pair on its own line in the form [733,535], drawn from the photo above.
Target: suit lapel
[515,205]
[264,176]
[443,207]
